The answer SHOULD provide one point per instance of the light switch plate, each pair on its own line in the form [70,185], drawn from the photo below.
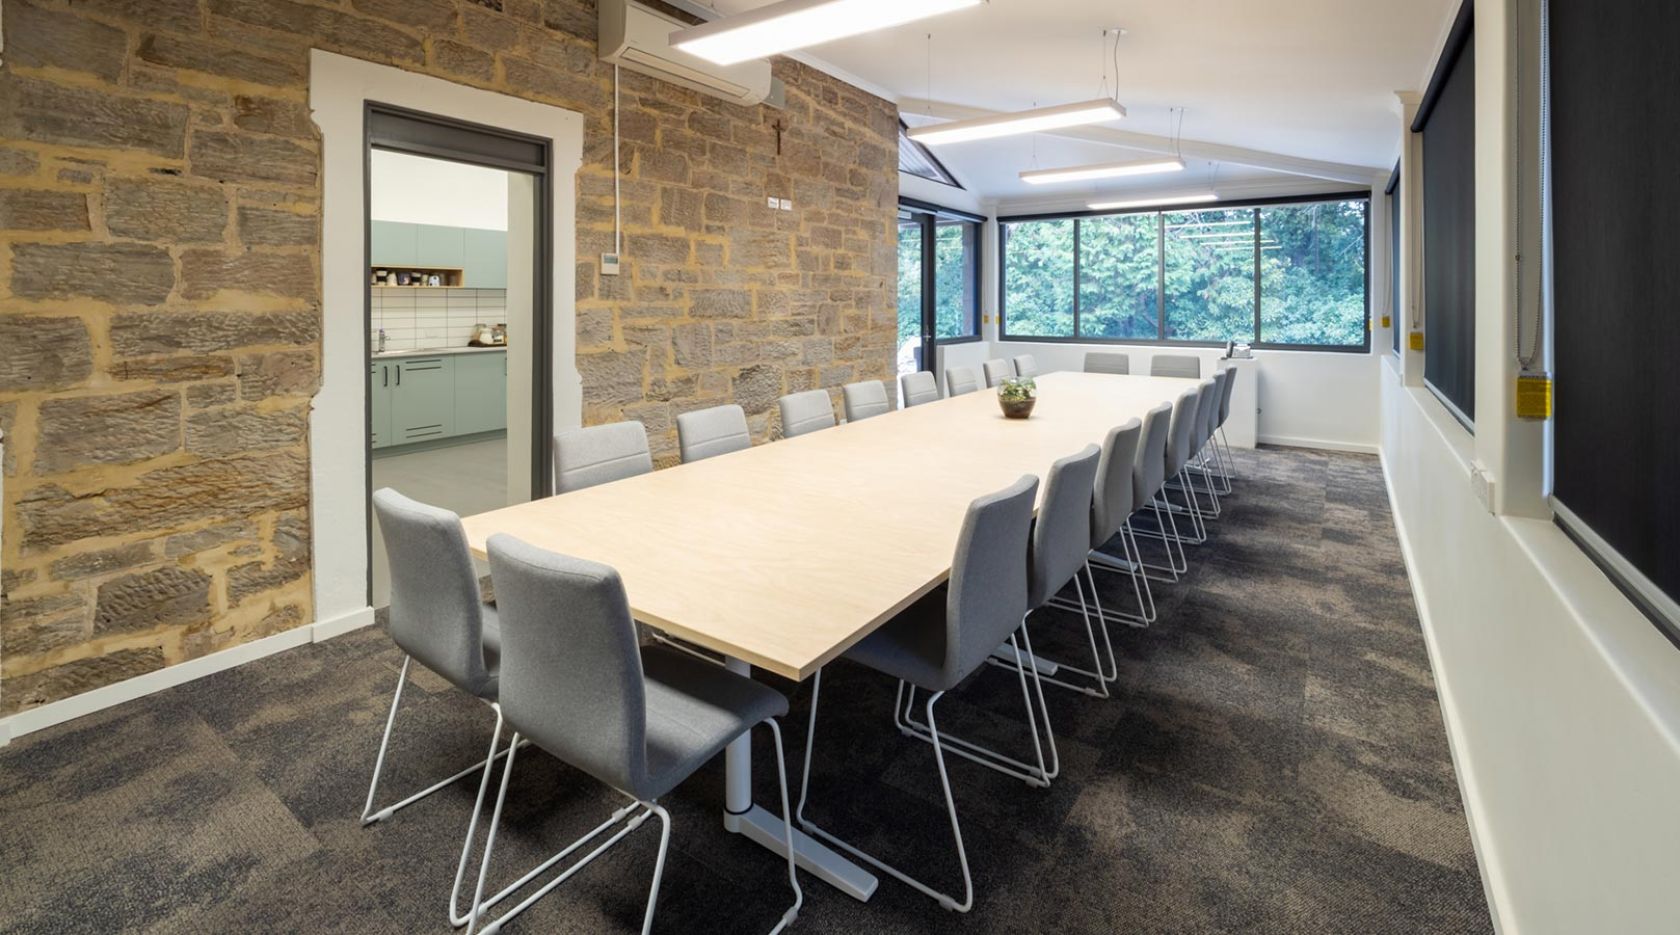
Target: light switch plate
[609,264]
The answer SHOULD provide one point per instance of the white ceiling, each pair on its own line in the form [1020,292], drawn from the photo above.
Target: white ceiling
[1303,78]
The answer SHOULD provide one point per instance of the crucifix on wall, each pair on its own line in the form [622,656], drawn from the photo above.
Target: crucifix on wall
[777,126]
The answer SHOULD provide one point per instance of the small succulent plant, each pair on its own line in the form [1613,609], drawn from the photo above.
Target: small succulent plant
[1017,389]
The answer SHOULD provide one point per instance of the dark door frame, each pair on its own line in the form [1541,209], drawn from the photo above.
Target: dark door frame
[400,129]
[926,216]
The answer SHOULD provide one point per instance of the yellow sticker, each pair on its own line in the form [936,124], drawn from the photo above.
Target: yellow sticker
[1385,321]
[1534,396]
[1415,341]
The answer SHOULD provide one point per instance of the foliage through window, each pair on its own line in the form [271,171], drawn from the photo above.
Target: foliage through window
[951,247]
[1280,275]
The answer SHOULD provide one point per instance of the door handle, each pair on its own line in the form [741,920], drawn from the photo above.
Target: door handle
[385,373]
[399,374]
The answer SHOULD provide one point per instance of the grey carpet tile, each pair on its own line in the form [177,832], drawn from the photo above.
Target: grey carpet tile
[1272,761]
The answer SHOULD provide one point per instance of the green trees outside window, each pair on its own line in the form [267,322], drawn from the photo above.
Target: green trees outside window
[1192,276]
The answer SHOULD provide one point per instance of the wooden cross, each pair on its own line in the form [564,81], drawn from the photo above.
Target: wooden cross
[777,126]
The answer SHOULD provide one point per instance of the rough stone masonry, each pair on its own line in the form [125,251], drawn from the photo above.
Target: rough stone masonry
[160,302]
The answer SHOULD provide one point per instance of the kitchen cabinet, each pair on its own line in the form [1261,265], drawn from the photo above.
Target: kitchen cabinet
[425,397]
[486,259]
[393,243]
[422,399]
[480,393]
[440,246]
[379,393]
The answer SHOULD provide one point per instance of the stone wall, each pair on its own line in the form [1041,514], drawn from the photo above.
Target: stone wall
[160,289]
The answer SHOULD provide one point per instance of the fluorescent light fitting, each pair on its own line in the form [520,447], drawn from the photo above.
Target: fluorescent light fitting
[1105,171]
[1026,121]
[1197,199]
[795,24]
[1197,225]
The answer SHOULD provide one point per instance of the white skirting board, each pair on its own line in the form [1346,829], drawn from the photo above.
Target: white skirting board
[99,699]
[1286,441]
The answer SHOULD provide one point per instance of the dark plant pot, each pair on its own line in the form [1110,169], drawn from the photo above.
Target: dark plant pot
[1016,408]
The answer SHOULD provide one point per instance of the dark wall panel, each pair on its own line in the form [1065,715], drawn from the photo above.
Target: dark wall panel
[1449,236]
[1616,230]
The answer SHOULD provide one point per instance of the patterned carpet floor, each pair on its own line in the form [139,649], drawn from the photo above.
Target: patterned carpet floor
[1273,762]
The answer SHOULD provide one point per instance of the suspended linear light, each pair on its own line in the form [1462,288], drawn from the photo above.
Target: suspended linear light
[1026,121]
[1202,198]
[1197,225]
[1104,171]
[795,24]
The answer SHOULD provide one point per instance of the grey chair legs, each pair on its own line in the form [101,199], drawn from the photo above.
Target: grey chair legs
[370,816]
[1099,675]
[1039,773]
[637,812]
[948,902]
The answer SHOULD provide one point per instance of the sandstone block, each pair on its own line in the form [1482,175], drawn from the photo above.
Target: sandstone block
[611,376]
[272,228]
[225,61]
[147,333]
[27,209]
[459,59]
[721,303]
[272,115]
[119,273]
[757,387]
[73,678]
[102,561]
[212,537]
[43,353]
[35,109]
[162,209]
[231,430]
[38,38]
[206,272]
[170,596]
[173,369]
[281,373]
[117,429]
[243,157]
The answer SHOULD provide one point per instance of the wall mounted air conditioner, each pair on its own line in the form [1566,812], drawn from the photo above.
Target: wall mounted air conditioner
[637,38]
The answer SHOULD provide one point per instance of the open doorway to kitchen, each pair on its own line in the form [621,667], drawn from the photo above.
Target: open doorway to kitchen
[457,317]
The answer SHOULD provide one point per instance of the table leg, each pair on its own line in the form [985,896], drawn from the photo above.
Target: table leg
[765,827]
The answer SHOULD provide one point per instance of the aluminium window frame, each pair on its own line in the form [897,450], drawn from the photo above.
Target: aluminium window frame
[1160,212]
[930,260]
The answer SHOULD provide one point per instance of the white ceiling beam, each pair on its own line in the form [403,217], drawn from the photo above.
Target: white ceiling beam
[1150,143]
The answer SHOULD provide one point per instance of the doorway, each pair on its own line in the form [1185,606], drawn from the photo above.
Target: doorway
[938,282]
[457,317]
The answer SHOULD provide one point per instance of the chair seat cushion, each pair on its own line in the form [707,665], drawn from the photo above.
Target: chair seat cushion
[911,646]
[694,710]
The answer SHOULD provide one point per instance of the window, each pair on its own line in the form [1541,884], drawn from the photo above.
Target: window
[1312,274]
[956,253]
[1038,278]
[1192,277]
[909,279]
[1447,121]
[914,159]
[938,280]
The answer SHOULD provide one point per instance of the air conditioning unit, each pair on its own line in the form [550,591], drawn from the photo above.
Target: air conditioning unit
[638,38]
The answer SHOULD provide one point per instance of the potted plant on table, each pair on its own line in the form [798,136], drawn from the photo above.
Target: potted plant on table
[1017,395]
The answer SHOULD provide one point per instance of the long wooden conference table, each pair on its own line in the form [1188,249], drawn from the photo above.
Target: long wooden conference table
[783,555]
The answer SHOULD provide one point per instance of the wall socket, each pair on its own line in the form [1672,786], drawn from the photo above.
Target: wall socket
[778,204]
[609,264]
[1481,483]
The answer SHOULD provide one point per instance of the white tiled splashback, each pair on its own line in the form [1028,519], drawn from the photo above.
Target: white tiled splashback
[428,318]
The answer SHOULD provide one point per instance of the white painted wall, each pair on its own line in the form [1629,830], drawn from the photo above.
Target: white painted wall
[1562,702]
[339,88]
[417,190]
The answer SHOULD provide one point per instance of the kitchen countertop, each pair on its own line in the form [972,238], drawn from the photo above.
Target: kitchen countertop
[436,351]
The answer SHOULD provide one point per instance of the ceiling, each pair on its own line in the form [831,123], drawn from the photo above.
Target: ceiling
[1312,79]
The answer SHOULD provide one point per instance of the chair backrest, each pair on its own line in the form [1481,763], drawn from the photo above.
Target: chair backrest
[960,380]
[997,370]
[1150,471]
[1211,421]
[1180,435]
[1175,365]
[571,670]
[436,613]
[1225,396]
[865,399]
[987,594]
[806,412]
[1061,536]
[1026,365]
[598,454]
[707,433]
[1111,500]
[1206,408]
[918,387]
[1107,362]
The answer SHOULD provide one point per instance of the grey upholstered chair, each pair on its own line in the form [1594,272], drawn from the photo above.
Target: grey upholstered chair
[640,719]
[1213,461]
[940,640]
[1112,505]
[1180,447]
[865,399]
[438,617]
[1229,461]
[960,380]
[1107,362]
[918,387]
[1026,365]
[1149,478]
[806,412]
[1175,365]
[706,433]
[997,370]
[599,454]
[1061,540]
[1207,409]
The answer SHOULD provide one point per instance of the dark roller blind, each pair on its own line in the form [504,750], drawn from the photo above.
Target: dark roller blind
[1616,278]
[1449,225]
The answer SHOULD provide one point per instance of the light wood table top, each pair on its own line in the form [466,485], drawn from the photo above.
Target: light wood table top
[785,554]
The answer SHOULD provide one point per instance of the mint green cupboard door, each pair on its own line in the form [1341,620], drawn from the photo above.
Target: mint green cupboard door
[394,243]
[440,246]
[422,399]
[379,391]
[480,392]
[486,259]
